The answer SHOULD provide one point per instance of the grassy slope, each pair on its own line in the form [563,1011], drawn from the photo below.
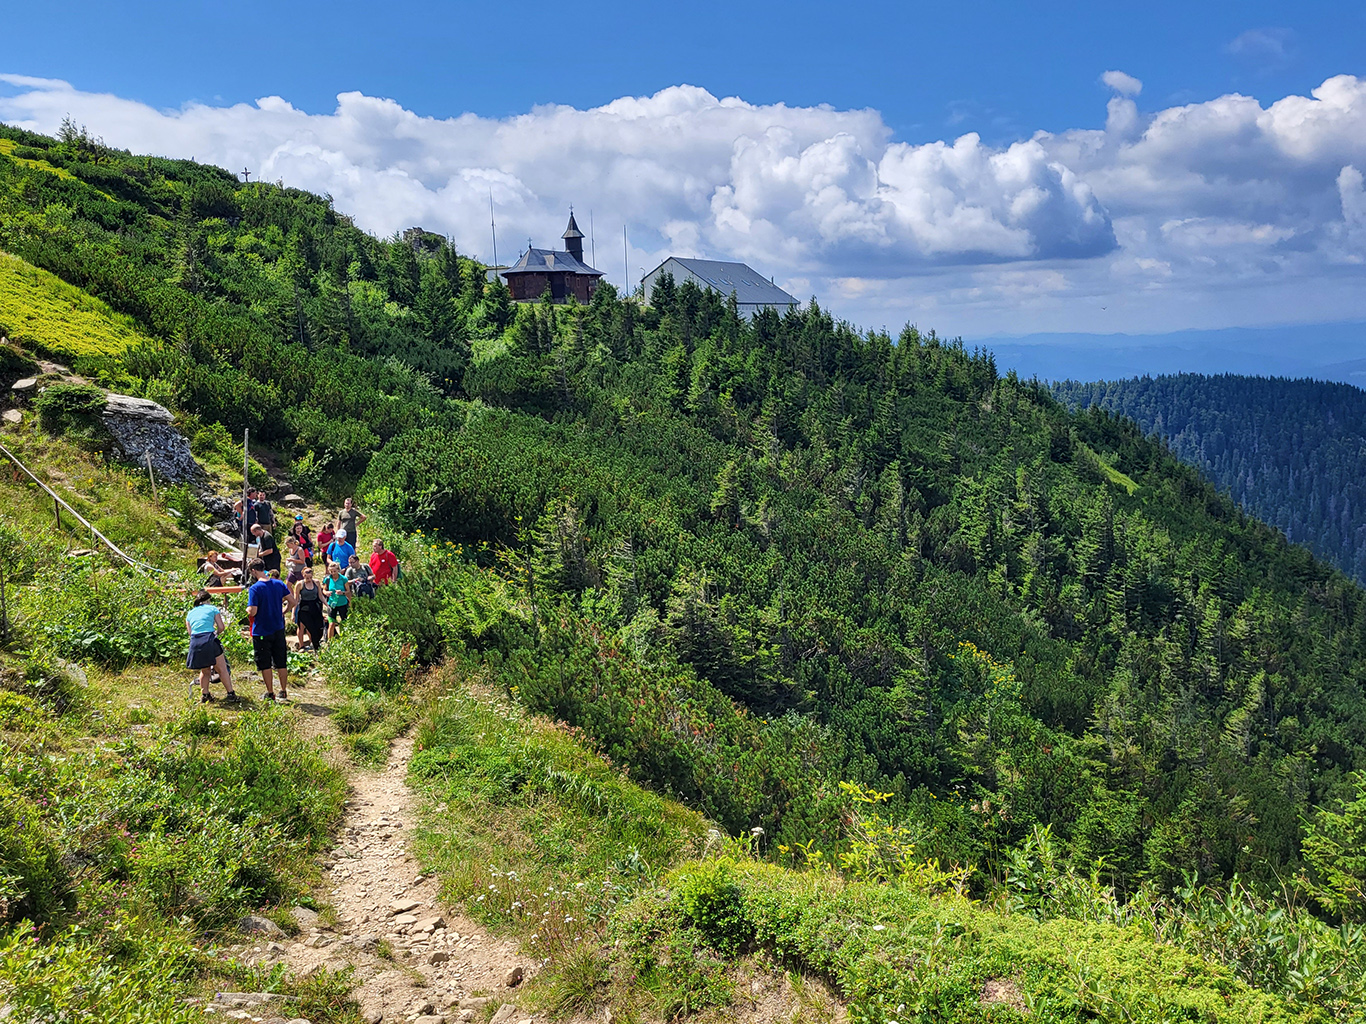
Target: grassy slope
[42,312]
[8,146]
[637,907]
[135,825]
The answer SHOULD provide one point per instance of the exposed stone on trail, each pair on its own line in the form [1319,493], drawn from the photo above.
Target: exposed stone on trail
[415,962]
[254,924]
[25,388]
[13,416]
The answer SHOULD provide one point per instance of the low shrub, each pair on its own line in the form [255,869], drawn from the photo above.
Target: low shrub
[73,980]
[14,362]
[112,617]
[896,954]
[369,656]
[70,408]
[34,885]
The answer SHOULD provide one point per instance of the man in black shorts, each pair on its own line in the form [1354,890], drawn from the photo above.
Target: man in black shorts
[267,599]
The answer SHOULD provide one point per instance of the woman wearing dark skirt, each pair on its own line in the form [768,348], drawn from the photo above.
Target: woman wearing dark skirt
[308,597]
[204,623]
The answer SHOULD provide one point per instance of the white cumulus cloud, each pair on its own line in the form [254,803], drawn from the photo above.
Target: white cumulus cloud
[1205,214]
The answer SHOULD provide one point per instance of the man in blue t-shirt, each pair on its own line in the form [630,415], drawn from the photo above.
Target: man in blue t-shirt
[340,551]
[267,599]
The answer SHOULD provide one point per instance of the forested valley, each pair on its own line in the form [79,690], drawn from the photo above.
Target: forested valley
[1291,452]
[764,564]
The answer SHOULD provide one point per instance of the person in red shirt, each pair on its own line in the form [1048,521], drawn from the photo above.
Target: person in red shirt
[324,538]
[382,563]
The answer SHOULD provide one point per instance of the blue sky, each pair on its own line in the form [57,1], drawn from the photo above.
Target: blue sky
[1200,164]
[1000,69]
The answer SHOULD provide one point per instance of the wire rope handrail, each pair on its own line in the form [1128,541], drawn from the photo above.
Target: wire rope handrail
[142,566]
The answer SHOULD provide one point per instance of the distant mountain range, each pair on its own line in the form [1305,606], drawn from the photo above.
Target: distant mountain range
[1334,352]
[1292,452]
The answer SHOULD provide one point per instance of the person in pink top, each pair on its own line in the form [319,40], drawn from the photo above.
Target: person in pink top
[382,563]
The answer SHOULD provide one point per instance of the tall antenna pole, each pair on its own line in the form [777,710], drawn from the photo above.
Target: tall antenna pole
[493,227]
[592,239]
[625,261]
[246,487]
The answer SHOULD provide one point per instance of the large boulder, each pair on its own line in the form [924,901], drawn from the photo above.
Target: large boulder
[140,428]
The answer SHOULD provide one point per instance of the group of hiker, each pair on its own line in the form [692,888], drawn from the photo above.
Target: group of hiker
[317,606]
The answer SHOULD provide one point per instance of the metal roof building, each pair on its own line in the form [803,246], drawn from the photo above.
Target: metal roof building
[753,291]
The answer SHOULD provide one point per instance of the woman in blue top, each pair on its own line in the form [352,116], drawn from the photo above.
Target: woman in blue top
[204,623]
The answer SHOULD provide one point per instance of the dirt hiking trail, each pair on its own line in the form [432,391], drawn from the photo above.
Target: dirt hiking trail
[415,961]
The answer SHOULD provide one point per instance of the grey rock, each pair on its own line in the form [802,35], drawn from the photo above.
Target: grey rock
[298,1020]
[374,1017]
[439,957]
[254,924]
[403,906]
[423,1006]
[430,1018]
[294,499]
[504,1014]
[141,428]
[304,917]
[367,941]
[13,416]
[513,978]
[25,387]
[244,998]
[136,408]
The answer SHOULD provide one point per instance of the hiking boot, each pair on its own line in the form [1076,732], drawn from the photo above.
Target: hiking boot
[268,696]
[206,698]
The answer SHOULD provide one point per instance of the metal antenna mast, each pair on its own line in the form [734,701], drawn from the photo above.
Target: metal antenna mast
[493,227]
[592,241]
[625,260]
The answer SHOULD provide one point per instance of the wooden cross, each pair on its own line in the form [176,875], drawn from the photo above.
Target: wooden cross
[246,174]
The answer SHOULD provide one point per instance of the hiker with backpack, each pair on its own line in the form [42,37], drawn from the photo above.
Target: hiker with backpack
[339,593]
[340,550]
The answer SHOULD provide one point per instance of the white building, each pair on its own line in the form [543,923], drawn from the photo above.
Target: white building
[752,290]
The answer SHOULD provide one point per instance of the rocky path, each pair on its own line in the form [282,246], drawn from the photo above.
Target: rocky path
[414,959]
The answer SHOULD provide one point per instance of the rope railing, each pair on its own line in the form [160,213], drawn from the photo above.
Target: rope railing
[60,503]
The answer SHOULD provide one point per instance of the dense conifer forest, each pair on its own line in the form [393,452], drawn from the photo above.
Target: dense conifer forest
[1291,452]
[752,559]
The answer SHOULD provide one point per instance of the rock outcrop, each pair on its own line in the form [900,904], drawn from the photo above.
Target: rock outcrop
[140,427]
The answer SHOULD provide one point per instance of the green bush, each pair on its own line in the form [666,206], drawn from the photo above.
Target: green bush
[70,408]
[34,885]
[899,955]
[75,981]
[14,362]
[115,618]
[368,656]
[712,902]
